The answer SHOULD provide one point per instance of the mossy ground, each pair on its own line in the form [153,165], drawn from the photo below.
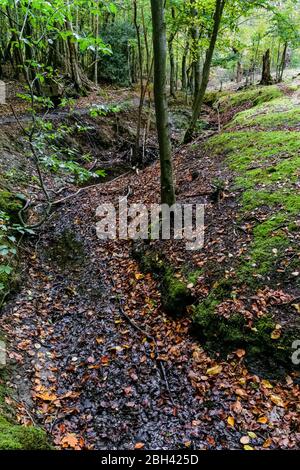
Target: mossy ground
[14,436]
[280,112]
[253,96]
[266,164]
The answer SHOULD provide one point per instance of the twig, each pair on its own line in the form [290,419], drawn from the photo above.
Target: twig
[64,199]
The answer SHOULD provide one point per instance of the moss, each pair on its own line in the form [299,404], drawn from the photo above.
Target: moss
[246,148]
[14,436]
[280,111]
[175,295]
[9,203]
[270,120]
[224,334]
[193,276]
[211,97]
[254,96]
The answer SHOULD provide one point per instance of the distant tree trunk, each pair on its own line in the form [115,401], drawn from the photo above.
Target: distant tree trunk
[266,78]
[206,70]
[283,62]
[239,72]
[183,68]
[160,98]
[72,64]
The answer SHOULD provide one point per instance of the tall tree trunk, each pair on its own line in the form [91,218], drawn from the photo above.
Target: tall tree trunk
[266,78]
[283,62]
[172,60]
[73,65]
[206,70]
[196,67]
[161,106]
[183,68]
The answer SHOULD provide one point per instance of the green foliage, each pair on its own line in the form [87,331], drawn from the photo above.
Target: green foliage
[115,68]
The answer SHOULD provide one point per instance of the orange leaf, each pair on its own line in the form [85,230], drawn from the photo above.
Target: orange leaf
[69,440]
[47,396]
[262,420]
[230,421]
[240,353]
[139,445]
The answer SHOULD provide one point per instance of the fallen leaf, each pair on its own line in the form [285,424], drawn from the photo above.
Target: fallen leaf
[240,353]
[267,443]
[276,399]
[230,421]
[240,392]
[247,447]
[104,360]
[47,396]
[139,445]
[262,420]
[69,440]
[138,276]
[214,370]
[266,384]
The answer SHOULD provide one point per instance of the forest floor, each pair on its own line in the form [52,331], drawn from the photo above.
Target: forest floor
[96,360]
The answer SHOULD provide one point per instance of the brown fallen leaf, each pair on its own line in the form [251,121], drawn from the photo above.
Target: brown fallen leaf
[69,440]
[240,353]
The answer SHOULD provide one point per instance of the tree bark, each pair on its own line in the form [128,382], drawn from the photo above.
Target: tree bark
[206,70]
[160,98]
[283,62]
[172,61]
[266,78]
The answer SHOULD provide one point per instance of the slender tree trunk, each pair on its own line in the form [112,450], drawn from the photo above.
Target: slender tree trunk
[73,61]
[239,72]
[172,61]
[161,106]
[266,78]
[283,62]
[136,152]
[183,68]
[206,70]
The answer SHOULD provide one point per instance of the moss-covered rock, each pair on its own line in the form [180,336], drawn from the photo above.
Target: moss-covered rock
[16,437]
[175,295]
[9,203]
[224,334]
